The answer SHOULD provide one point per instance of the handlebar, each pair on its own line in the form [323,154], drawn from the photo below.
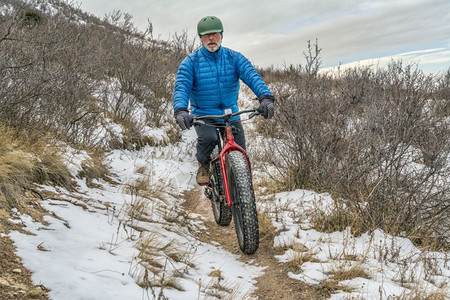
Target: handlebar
[198,119]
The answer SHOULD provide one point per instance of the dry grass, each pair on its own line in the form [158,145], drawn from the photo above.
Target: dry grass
[159,257]
[361,150]
[24,162]
[332,284]
[267,185]
[266,228]
[50,168]
[4,216]
[94,168]
[421,295]
[350,273]
[218,288]
[155,255]
[329,286]
[338,220]
[297,259]
[148,185]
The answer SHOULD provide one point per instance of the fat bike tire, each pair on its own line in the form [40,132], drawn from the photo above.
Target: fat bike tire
[244,207]
[221,210]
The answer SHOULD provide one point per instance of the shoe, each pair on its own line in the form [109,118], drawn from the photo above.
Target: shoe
[202,174]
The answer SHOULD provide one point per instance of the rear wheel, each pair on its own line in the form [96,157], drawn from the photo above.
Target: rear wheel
[243,199]
[221,210]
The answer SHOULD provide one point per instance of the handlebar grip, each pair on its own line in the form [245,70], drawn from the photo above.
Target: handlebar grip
[180,121]
[270,111]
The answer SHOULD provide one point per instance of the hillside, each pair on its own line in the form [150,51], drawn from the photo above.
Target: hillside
[97,193]
[71,78]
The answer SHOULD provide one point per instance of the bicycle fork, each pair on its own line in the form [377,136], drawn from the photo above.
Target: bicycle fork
[230,145]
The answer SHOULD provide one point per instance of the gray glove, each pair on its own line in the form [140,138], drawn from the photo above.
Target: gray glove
[183,118]
[266,108]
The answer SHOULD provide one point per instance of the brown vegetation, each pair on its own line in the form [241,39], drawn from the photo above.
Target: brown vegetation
[68,72]
[378,140]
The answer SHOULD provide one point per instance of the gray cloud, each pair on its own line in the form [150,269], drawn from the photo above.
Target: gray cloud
[275,32]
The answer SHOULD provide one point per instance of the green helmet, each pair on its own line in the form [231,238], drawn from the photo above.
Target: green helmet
[209,24]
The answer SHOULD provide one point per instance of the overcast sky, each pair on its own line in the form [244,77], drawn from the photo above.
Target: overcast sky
[275,32]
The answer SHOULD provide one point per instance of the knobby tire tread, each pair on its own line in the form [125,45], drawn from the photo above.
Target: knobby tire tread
[244,206]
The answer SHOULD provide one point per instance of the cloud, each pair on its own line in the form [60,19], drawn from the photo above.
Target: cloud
[361,33]
[430,60]
[275,32]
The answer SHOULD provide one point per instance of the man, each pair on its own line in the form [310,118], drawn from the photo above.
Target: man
[208,79]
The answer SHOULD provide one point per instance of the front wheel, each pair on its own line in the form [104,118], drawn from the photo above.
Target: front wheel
[243,199]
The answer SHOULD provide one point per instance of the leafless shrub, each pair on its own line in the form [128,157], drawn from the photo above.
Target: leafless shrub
[370,137]
[443,94]
[57,69]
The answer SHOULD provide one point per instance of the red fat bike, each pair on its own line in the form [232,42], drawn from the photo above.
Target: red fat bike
[230,189]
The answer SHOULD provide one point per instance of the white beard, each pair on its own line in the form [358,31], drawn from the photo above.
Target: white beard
[213,48]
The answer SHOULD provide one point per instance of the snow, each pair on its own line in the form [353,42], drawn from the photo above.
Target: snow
[76,263]
[420,58]
[86,251]
[6,9]
[388,260]
[90,246]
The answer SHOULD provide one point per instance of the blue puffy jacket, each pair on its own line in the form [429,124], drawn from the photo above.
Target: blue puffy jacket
[210,81]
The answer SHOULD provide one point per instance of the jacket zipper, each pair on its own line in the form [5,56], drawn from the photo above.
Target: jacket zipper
[218,80]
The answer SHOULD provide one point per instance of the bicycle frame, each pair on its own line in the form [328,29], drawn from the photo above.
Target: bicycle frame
[228,145]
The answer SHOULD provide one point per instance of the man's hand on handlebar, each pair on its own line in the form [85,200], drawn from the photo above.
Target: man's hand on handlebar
[184,118]
[266,106]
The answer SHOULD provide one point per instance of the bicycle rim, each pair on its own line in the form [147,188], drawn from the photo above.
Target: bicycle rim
[221,210]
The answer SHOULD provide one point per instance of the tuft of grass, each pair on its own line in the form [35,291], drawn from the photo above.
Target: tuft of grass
[266,228]
[148,253]
[421,295]
[350,273]
[50,169]
[332,284]
[94,168]
[147,186]
[4,216]
[297,259]
[218,288]
[338,220]
[216,273]
[25,161]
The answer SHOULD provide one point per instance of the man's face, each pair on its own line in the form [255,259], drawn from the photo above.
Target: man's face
[212,41]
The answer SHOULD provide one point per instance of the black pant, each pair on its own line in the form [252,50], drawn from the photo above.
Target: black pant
[207,139]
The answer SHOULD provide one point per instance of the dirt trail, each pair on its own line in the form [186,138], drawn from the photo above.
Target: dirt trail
[15,279]
[275,283]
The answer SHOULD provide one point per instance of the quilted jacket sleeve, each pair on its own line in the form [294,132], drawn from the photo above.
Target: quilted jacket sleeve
[183,84]
[249,75]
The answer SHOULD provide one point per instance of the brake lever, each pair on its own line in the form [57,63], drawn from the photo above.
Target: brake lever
[199,122]
[255,113]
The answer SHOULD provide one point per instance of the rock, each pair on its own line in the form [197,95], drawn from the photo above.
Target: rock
[216,273]
[35,293]
[17,271]
[4,282]
[299,247]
